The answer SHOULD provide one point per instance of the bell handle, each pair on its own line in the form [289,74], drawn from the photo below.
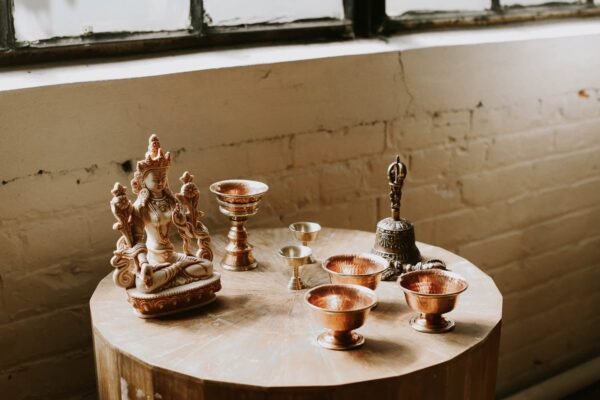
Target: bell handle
[396,174]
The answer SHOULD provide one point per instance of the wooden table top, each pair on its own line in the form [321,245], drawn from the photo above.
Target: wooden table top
[260,334]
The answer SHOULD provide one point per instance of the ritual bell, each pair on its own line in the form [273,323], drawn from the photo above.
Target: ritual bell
[395,236]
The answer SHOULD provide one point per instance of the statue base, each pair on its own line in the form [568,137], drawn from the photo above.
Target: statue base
[176,299]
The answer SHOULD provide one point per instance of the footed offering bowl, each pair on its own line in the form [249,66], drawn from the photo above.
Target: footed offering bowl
[238,199]
[362,269]
[295,256]
[432,292]
[340,309]
[306,232]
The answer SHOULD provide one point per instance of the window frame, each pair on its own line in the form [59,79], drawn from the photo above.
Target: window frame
[362,18]
[200,36]
[6,26]
[497,15]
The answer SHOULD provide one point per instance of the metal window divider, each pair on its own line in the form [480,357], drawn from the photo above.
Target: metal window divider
[7,29]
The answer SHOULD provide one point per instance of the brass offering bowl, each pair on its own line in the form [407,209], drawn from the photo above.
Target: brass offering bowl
[362,269]
[432,292]
[340,309]
[306,233]
[295,256]
[238,199]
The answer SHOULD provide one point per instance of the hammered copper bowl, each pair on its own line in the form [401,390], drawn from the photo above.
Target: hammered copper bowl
[362,269]
[238,188]
[340,309]
[432,292]
[239,197]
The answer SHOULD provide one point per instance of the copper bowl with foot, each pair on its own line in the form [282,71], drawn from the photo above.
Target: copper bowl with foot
[432,292]
[238,199]
[340,309]
[362,269]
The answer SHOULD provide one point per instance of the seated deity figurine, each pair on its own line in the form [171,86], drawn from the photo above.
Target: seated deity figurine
[158,279]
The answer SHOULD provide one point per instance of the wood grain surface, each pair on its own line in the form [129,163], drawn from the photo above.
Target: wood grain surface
[258,340]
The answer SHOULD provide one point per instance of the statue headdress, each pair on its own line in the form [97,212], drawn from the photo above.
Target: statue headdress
[154,159]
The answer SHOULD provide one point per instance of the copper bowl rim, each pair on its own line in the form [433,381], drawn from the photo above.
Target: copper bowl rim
[302,248]
[264,187]
[445,273]
[363,289]
[317,226]
[377,260]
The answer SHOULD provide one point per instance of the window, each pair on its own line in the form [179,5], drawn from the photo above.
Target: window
[244,12]
[414,14]
[399,7]
[32,30]
[36,20]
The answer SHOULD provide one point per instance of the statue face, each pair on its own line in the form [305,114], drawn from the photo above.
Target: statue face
[156,180]
[155,146]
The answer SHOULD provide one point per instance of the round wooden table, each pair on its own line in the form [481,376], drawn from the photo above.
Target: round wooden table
[258,340]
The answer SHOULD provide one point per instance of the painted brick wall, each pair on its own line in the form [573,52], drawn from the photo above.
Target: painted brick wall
[502,143]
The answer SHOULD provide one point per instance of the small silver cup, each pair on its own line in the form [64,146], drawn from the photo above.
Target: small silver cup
[306,233]
[295,256]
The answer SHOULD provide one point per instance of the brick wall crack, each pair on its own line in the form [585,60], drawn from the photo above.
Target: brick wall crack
[403,75]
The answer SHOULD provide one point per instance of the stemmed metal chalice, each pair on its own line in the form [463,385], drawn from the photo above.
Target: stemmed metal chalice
[306,233]
[295,256]
[432,292]
[238,199]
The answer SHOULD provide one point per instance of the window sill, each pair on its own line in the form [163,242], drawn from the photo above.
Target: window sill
[39,76]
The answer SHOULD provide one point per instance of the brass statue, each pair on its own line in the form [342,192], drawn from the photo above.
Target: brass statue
[158,279]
